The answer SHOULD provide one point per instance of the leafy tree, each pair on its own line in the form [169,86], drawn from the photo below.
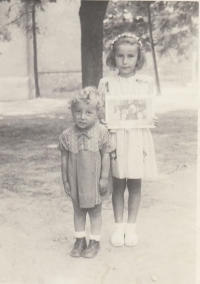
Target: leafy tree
[26,18]
[174,23]
[126,16]
[91,17]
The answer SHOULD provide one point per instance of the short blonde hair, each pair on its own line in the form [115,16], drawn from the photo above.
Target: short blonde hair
[126,38]
[88,95]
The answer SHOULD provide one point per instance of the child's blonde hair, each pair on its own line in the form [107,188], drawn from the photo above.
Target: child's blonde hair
[126,38]
[88,95]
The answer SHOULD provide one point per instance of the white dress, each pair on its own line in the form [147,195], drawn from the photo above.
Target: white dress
[132,150]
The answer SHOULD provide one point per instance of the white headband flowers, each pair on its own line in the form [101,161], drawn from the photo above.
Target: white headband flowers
[126,35]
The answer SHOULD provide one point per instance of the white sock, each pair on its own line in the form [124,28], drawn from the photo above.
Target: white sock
[95,237]
[117,238]
[80,234]
[131,226]
[119,226]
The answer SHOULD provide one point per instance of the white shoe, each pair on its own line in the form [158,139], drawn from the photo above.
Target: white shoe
[117,238]
[131,238]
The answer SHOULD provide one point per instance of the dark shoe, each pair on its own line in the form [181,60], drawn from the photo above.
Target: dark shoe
[79,246]
[92,249]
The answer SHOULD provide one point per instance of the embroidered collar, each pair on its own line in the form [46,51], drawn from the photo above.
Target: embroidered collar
[84,134]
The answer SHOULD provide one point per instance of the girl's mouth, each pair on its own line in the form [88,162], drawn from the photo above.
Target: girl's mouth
[82,123]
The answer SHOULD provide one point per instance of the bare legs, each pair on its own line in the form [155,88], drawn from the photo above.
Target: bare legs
[119,186]
[79,218]
[95,219]
[134,188]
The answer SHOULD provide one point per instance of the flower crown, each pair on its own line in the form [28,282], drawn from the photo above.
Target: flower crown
[126,35]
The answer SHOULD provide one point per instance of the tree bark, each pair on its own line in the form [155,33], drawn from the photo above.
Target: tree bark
[153,50]
[35,64]
[91,18]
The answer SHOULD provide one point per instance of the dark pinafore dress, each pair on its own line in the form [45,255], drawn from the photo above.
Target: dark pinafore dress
[84,163]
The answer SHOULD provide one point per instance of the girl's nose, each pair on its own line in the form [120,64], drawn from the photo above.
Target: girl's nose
[83,115]
[125,60]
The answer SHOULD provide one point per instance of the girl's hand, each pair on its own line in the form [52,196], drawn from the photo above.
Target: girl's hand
[67,188]
[103,185]
[155,120]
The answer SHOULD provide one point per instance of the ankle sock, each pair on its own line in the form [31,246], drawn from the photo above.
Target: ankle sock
[131,238]
[95,237]
[119,226]
[80,234]
[130,226]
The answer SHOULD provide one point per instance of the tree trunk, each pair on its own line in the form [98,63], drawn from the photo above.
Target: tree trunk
[37,89]
[30,71]
[153,50]
[91,18]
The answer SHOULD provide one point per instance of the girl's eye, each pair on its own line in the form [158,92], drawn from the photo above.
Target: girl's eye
[78,112]
[131,55]
[88,112]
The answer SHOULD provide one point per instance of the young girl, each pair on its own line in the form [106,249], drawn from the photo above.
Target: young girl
[132,155]
[85,167]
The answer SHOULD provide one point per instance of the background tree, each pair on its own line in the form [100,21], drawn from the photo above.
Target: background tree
[91,18]
[174,23]
[4,32]
[152,49]
[31,8]
[174,27]
[25,17]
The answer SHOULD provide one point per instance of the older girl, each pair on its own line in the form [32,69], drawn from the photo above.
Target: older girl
[132,156]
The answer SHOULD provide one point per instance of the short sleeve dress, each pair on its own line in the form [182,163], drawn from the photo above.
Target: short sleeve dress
[132,150]
[84,163]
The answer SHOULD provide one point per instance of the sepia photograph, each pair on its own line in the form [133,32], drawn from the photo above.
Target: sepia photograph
[133,112]
[99,142]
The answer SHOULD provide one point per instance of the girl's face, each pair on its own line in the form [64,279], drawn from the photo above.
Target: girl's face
[126,56]
[84,115]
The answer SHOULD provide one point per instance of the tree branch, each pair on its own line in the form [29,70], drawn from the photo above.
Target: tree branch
[17,19]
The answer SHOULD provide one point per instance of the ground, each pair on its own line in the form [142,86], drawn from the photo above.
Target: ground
[36,217]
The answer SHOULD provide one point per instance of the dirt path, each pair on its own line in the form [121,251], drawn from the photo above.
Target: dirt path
[36,233]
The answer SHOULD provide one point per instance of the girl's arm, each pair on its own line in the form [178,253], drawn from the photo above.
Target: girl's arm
[103,90]
[64,164]
[105,169]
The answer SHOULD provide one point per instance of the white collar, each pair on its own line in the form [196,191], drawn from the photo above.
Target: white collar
[129,79]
